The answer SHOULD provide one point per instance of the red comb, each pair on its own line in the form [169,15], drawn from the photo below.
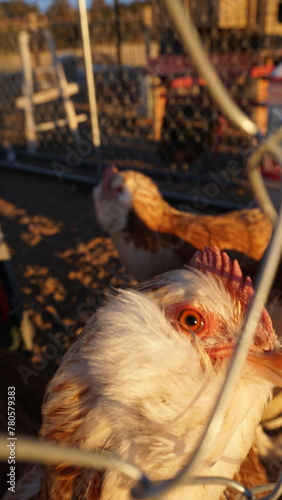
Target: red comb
[212,260]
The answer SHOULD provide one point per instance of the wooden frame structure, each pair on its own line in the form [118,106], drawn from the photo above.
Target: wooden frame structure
[30,99]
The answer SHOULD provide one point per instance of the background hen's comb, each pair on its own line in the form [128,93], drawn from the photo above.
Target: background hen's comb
[108,175]
[212,260]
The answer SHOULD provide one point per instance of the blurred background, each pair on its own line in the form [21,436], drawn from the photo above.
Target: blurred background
[153,109]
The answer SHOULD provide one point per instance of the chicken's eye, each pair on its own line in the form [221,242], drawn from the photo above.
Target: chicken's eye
[191,319]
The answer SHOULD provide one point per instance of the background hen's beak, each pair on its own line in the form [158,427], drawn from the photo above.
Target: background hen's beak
[267,365]
[108,174]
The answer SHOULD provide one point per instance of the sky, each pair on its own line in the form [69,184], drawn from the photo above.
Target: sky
[44,4]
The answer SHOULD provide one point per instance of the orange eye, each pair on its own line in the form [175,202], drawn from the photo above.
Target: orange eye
[191,320]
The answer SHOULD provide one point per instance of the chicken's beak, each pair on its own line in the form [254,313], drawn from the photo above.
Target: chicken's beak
[268,365]
[108,175]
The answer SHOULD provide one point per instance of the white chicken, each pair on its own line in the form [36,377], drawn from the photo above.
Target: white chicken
[141,381]
[153,237]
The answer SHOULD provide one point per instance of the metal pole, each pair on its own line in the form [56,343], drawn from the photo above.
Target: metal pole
[90,83]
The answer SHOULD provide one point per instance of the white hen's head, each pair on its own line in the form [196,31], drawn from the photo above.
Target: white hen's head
[142,379]
[209,302]
[117,195]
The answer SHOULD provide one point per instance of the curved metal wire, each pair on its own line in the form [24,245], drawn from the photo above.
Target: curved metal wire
[34,450]
[190,39]
[274,488]
[276,492]
[150,490]
[270,145]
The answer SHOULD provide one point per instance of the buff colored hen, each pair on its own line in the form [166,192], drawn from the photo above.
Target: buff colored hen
[153,237]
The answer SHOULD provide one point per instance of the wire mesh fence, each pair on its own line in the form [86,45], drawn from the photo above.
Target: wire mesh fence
[154,110]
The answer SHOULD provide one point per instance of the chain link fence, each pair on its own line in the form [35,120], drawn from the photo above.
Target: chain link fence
[154,110]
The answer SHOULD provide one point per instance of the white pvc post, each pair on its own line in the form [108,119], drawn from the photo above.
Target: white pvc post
[89,71]
[30,127]
[63,86]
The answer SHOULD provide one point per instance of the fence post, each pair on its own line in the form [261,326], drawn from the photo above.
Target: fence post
[30,128]
[89,71]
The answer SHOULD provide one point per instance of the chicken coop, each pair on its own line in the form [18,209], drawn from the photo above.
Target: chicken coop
[92,89]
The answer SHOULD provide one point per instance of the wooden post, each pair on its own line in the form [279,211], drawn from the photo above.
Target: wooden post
[148,23]
[30,128]
[160,101]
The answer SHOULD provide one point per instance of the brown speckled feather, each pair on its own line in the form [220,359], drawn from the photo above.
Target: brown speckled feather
[252,473]
[67,401]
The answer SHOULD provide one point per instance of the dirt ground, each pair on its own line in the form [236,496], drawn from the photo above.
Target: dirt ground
[63,261]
